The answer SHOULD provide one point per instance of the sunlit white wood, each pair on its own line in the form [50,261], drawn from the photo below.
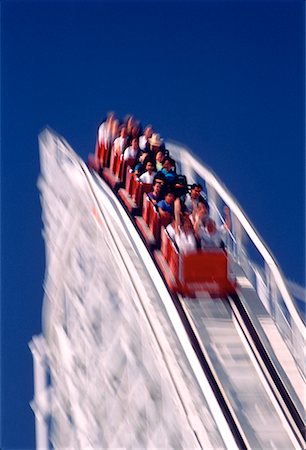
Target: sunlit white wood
[120,375]
[84,221]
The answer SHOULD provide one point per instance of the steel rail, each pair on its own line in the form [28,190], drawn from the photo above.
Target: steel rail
[275,383]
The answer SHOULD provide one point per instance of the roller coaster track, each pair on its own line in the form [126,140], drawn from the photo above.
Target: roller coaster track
[196,338]
[287,408]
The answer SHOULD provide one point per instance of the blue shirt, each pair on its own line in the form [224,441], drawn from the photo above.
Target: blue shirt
[170,176]
[165,206]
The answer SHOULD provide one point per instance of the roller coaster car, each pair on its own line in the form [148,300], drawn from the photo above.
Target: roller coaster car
[189,275]
[195,273]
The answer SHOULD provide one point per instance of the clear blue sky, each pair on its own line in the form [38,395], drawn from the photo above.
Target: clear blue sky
[224,78]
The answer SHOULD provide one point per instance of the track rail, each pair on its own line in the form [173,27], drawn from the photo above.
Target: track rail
[283,398]
[292,417]
[278,389]
[275,383]
[216,386]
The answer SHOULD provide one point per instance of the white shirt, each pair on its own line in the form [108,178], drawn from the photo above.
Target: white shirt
[185,242]
[212,240]
[119,143]
[142,142]
[190,203]
[101,132]
[130,153]
[104,133]
[171,231]
[147,178]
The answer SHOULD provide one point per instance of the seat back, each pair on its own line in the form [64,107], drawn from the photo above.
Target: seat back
[129,180]
[146,209]
[114,161]
[145,189]
[100,152]
[154,223]
[205,271]
[106,155]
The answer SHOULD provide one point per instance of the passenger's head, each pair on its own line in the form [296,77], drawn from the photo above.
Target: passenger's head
[157,187]
[135,143]
[168,163]
[161,177]
[195,190]
[160,183]
[186,223]
[160,156]
[180,185]
[143,156]
[204,201]
[202,210]
[149,166]
[110,116]
[123,132]
[148,131]
[115,128]
[135,131]
[155,141]
[129,122]
[169,197]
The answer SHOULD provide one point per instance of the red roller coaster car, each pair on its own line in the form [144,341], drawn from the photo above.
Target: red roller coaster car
[186,274]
